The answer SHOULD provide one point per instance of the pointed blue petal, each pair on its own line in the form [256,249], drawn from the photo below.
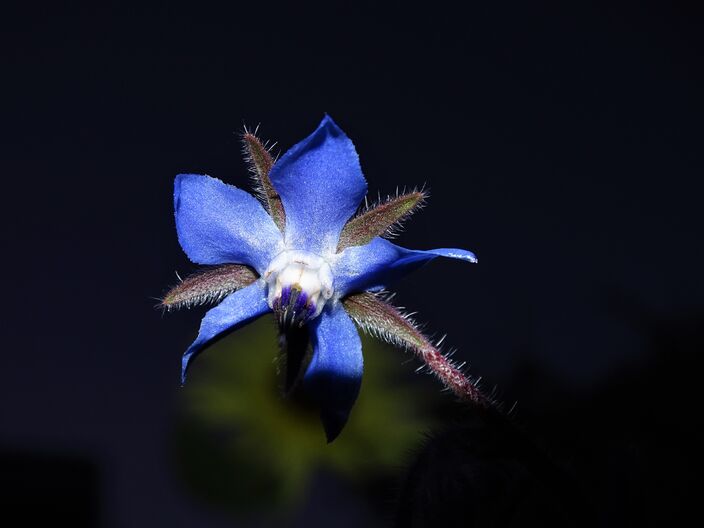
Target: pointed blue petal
[236,310]
[334,375]
[379,263]
[321,185]
[218,223]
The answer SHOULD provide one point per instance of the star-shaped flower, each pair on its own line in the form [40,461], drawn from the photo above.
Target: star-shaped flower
[301,252]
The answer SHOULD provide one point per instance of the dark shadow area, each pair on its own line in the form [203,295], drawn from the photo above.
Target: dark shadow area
[484,473]
[622,455]
[41,489]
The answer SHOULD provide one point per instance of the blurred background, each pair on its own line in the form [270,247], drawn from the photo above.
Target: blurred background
[561,143]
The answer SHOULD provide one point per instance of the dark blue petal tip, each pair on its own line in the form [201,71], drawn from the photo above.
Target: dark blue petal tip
[333,423]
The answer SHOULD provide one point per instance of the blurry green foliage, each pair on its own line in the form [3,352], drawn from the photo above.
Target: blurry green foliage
[244,446]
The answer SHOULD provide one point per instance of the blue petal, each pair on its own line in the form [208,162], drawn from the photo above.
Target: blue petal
[334,375]
[236,310]
[218,223]
[379,263]
[321,184]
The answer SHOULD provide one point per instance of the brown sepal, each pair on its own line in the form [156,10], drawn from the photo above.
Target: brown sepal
[379,220]
[208,286]
[260,163]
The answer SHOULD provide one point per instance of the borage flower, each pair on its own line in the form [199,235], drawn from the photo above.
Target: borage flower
[301,253]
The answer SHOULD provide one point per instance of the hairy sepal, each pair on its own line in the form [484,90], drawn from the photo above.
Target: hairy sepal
[260,162]
[384,321]
[380,220]
[208,286]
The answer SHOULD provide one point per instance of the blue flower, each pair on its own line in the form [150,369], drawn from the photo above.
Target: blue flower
[300,252]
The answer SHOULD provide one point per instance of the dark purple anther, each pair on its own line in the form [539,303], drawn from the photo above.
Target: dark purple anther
[294,307]
[301,302]
[285,296]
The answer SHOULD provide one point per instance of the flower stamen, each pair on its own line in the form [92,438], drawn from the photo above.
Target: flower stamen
[300,283]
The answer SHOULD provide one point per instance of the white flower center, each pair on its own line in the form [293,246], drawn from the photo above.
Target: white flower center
[299,284]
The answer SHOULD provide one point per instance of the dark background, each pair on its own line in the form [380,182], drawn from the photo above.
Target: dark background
[561,143]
